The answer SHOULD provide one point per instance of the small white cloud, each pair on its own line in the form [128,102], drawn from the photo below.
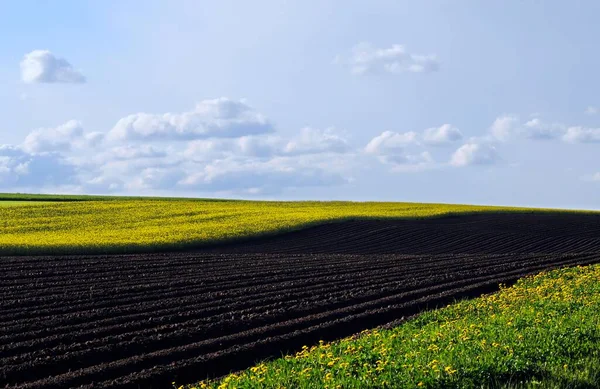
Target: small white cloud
[596,177]
[536,129]
[103,184]
[157,178]
[582,135]
[41,66]
[312,140]
[474,154]
[592,110]
[218,118]
[444,134]
[391,149]
[504,127]
[534,123]
[60,138]
[389,142]
[368,59]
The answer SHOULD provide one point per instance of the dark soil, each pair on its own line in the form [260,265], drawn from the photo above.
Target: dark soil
[148,320]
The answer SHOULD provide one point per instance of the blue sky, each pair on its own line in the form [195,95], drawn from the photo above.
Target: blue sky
[437,101]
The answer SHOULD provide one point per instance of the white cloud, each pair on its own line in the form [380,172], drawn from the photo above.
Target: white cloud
[474,154]
[592,110]
[41,66]
[391,148]
[444,134]
[504,127]
[209,149]
[311,140]
[232,151]
[19,169]
[218,118]
[409,162]
[135,152]
[596,177]
[61,138]
[536,129]
[102,184]
[389,142]
[368,59]
[260,146]
[582,135]
[308,141]
[157,178]
[259,177]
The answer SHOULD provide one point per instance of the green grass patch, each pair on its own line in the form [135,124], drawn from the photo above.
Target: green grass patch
[64,197]
[82,224]
[11,203]
[544,332]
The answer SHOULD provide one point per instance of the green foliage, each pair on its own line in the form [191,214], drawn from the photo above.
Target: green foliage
[26,197]
[544,332]
[11,203]
[142,224]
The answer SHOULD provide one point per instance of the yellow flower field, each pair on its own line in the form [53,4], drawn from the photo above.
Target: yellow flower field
[131,225]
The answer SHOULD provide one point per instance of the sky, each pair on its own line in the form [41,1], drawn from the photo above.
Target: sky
[453,101]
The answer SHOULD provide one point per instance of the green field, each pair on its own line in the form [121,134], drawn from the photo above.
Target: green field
[544,332]
[11,203]
[90,224]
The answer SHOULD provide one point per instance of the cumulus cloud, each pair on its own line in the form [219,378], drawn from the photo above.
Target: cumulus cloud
[260,146]
[444,134]
[596,177]
[409,162]
[217,118]
[389,142]
[19,169]
[102,184]
[474,154]
[391,148]
[504,127]
[536,129]
[41,66]
[157,178]
[231,148]
[134,152]
[259,177]
[308,141]
[582,135]
[592,110]
[311,140]
[365,58]
[59,138]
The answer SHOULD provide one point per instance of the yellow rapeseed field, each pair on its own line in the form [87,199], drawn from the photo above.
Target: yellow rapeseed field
[141,224]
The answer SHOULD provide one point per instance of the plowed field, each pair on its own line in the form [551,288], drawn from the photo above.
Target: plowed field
[147,320]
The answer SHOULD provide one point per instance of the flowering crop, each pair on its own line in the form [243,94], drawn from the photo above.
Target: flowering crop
[86,225]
